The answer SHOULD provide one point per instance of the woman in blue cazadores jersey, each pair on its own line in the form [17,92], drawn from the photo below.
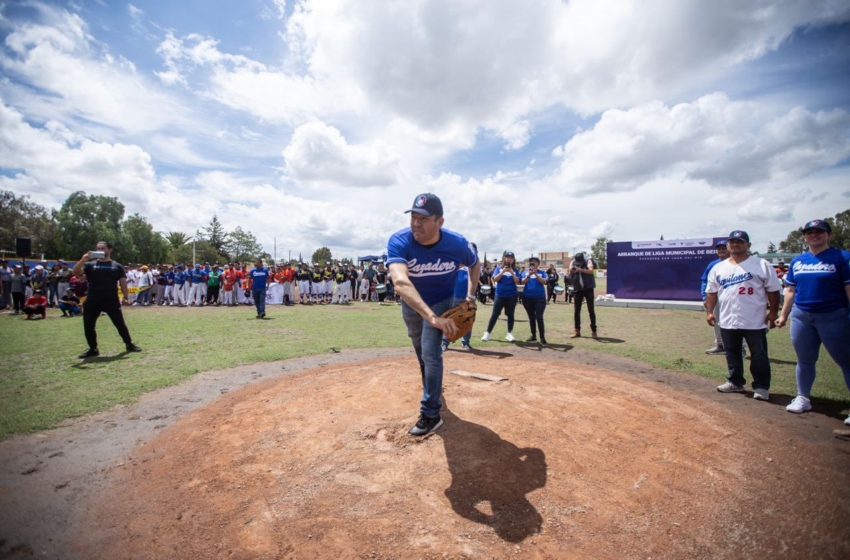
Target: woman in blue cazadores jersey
[505,278]
[817,297]
[534,299]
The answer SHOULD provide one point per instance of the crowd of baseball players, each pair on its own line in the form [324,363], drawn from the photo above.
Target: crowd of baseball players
[235,284]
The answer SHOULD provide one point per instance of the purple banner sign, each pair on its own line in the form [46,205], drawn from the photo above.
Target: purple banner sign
[665,269]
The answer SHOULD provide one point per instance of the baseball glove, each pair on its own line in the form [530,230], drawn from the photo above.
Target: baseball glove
[463,316]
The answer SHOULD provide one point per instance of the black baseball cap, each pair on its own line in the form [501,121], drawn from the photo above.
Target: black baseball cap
[721,243]
[427,204]
[509,254]
[818,224]
[738,234]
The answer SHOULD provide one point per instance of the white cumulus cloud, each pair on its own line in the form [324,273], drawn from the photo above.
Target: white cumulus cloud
[319,155]
[714,139]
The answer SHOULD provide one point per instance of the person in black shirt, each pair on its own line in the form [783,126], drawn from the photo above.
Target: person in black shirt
[552,278]
[380,279]
[485,280]
[104,275]
[69,304]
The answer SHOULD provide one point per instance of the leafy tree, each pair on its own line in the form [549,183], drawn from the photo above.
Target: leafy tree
[204,252]
[84,220]
[771,247]
[322,255]
[176,239]
[840,223]
[242,246]
[662,237]
[21,218]
[215,235]
[793,243]
[840,230]
[599,252]
[145,245]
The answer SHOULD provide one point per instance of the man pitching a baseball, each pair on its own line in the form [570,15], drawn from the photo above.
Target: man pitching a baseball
[424,260]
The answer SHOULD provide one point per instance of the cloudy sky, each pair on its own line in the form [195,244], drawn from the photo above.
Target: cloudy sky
[542,124]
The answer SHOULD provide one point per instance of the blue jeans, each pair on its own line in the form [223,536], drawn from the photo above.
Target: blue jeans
[259,300]
[66,307]
[143,297]
[759,362]
[52,294]
[426,341]
[808,331]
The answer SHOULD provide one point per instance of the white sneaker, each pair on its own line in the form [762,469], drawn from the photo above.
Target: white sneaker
[730,387]
[847,421]
[761,394]
[510,338]
[486,337]
[799,405]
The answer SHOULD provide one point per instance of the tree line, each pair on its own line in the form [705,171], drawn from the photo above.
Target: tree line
[83,220]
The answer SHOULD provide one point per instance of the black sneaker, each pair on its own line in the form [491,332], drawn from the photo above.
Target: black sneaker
[466,347]
[531,339]
[425,425]
[133,348]
[90,353]
[543,343]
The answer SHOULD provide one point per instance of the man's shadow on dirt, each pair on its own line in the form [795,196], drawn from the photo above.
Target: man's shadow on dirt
[491,477]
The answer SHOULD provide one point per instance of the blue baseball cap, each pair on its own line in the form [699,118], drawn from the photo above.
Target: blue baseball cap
[818,224]
[721,243]
[738,234]
[427,204]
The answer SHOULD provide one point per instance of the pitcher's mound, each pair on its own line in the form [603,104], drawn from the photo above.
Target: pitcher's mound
[555,461]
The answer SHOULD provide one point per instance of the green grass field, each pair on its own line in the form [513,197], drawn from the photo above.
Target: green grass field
[44,383]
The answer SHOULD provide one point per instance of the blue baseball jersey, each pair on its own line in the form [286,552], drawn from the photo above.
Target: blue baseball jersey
[180,278]
[462,283]
[169,278]
[433,270]
[198,276]
[259,277]
[505,287]
[534,288]
[704,278]
[819,281]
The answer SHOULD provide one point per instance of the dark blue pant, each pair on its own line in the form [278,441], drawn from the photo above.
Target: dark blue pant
[759,363]
[535,307]
[67,307]
[509,305]
[259,300]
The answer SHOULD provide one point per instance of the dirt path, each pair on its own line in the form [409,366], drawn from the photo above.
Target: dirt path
[575,454]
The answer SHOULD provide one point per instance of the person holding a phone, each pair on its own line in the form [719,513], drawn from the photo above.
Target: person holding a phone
[104,276]
[505,278]
[582,277]
[534,299]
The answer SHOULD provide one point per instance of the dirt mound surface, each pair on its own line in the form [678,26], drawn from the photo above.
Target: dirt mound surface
[559,460]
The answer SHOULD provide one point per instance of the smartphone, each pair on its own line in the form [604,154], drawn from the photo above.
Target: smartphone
[97,254]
